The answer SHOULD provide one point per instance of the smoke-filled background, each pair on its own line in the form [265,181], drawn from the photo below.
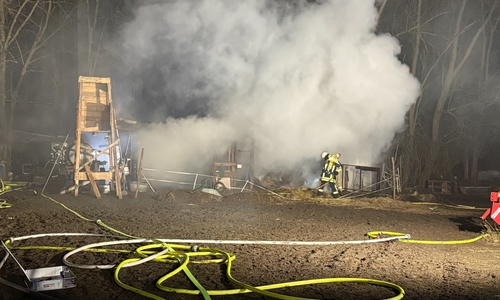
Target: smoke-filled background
[297,78]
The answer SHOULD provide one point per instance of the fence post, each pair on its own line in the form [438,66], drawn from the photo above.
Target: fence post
[195,179]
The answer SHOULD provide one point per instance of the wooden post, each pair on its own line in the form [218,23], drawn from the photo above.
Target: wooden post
[78,137]
[139,171]
[113,152]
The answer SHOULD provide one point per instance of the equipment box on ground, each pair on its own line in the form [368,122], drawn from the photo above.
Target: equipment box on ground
[52,278]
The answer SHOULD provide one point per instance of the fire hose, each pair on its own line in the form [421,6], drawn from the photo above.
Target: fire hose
[167,251]
[6,187]
[183,255]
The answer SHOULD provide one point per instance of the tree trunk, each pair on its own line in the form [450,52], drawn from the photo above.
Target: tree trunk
[412,117]
[4,135]
[4,119]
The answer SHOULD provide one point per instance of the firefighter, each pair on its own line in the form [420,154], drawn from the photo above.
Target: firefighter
[331,169]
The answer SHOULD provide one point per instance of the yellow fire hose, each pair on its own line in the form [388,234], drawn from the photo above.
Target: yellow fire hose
[182,255]
[379,234]
[6,186]
[162,252]
[4,189]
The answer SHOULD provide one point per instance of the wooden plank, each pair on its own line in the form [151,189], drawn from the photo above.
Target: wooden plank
[96,107]
[115,136]
[90,88]
[225,164]
[78,135]
[97,112]
[91,129]
[92,182]
[97,175]
[95,93]
[94,79]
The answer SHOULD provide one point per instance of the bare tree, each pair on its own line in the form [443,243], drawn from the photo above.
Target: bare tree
[440,123]
[96,20]
[456,61]
[479,118]
[23,32]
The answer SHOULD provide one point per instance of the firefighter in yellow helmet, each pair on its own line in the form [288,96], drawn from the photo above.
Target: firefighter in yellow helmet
[331,169]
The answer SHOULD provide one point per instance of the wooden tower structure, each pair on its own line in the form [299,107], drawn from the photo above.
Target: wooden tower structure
[95,114]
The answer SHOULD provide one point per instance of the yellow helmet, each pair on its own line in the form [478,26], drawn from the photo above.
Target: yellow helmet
[324,154]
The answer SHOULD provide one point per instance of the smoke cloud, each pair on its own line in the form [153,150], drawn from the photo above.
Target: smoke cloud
[297,78]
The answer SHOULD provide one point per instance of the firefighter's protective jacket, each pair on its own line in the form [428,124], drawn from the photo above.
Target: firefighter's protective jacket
[331,168]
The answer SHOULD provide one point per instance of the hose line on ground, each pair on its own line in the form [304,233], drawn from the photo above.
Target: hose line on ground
[451,205]
[67,208]
[5,204]
[381,234]
[183,255]
[158,251]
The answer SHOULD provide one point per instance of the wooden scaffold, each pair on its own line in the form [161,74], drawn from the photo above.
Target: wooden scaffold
[96,114]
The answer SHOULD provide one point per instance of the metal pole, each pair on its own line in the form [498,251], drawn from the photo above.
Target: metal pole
[139,171]
[56,161]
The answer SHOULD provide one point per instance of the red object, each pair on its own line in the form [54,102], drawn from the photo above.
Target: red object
[494,196]
[494,211]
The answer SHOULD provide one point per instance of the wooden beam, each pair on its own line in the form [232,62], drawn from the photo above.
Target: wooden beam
[78,135]
[92,182]
[97,175]
[94,79]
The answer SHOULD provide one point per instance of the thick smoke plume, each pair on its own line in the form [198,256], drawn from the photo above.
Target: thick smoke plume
[297,78]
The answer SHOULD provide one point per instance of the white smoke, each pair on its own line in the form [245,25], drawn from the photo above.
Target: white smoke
[298,79]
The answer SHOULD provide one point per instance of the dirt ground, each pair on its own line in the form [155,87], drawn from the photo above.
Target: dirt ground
[424,271]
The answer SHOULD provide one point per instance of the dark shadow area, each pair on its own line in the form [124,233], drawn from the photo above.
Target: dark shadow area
[467,224]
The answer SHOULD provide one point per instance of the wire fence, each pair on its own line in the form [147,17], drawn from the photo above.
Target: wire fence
[197,180]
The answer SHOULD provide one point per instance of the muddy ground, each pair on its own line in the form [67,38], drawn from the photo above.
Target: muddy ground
[424,271]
